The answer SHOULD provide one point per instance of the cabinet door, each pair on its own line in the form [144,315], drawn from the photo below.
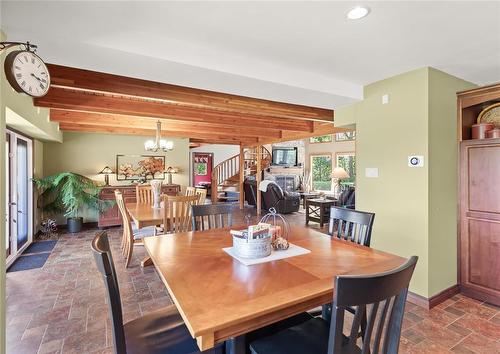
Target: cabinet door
[480,220]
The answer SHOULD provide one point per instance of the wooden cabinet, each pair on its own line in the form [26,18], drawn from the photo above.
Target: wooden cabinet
[479,231]
[112,217]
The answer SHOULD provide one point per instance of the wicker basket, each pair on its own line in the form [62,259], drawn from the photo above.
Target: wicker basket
[253,248]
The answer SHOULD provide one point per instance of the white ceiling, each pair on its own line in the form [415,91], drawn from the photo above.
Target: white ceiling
[302,52]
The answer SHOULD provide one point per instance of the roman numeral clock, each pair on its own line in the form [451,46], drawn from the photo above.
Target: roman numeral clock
[26,71]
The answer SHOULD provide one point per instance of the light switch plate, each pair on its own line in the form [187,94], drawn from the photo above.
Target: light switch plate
[415,161]
[385,99]
[371,172]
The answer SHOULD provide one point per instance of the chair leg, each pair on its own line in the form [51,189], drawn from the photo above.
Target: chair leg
[129,250]
[326,312]
[236,345]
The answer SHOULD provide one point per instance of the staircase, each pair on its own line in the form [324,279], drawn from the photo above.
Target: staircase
[226,175]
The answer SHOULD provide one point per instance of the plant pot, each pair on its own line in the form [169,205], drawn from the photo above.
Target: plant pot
[74,224]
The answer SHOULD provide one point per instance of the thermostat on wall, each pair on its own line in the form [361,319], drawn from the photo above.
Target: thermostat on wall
[415,161]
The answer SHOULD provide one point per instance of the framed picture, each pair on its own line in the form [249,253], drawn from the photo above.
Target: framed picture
[345,136]
[136,167]
[200,168]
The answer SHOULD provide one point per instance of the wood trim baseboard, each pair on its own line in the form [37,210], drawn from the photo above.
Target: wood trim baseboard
[429,303]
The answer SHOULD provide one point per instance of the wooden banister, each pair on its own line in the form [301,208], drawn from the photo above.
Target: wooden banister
[231,167]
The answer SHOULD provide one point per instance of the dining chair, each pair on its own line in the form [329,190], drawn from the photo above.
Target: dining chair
[131,236]
[144,194]
[162,331]
[212,216]
[190,191]
[351,225]
[177,213]
[202,192]
[381,297]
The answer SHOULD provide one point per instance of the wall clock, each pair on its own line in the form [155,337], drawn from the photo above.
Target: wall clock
[26,72]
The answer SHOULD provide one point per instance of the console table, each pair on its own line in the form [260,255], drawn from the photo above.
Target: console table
[111,216]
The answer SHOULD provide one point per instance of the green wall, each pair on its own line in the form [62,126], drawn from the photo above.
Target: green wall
[415,207]
[443,178]
[89,153]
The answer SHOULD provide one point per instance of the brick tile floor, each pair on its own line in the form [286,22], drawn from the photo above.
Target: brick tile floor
[61,307]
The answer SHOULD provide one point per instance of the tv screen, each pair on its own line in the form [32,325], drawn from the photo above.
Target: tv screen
[285,156]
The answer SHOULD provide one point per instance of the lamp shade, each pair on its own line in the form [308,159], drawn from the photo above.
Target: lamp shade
[340,173]
[171,169]
[106,171]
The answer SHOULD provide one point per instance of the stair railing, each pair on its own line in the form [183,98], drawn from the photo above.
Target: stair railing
[231,167]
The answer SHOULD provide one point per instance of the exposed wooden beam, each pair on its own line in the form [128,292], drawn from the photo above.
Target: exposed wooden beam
[103,119]
[321,129]
[150,132]
[59,98]
[216,141]
[74,78]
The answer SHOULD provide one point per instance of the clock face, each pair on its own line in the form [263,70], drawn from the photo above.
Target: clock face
[27,73]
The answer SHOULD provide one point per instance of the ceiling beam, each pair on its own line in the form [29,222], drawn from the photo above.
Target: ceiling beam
[67,77]
[151,132]
[320,129]
[59,98]
[73,117]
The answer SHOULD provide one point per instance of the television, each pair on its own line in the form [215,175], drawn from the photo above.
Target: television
[285,156]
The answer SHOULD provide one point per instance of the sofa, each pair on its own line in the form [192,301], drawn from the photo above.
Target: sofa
[284,202]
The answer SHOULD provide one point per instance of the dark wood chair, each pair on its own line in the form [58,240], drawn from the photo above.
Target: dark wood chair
[379,297]
[162,331]
[351,225]
[212,216]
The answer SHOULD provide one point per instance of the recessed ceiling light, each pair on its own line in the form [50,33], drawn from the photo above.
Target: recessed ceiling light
[358,12]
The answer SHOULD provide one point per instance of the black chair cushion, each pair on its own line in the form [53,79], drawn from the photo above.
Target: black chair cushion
[308,337]
[159,332]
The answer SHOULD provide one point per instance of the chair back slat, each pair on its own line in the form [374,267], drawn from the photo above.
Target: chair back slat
[366,294]
[351,225]
[177,212]
[190,191]
[104,261]
[212,216]
[202,192]
[144,194]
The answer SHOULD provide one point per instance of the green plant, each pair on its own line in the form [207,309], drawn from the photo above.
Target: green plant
[67,193]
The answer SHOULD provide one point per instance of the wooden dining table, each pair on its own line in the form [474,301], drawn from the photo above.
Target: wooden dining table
[221,299]
[143,214]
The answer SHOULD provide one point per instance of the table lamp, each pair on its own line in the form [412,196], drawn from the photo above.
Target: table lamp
[338,174]
[106,171]
[170,171]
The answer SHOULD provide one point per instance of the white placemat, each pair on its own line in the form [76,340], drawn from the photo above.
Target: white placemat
[292,251]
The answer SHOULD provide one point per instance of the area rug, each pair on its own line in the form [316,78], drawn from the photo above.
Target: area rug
[33,257]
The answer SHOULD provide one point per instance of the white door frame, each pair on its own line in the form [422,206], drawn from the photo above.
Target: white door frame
[14,251]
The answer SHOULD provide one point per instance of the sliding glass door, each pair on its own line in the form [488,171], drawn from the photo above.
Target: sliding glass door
[19,167]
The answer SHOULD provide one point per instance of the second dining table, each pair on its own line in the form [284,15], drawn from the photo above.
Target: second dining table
[221,299]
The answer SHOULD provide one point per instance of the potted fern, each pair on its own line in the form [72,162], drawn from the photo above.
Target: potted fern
[68,193]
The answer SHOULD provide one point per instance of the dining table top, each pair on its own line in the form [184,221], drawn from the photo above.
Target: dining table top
[143,214]
[220,298]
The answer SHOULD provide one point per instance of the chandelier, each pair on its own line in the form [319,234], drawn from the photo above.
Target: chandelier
[158,144]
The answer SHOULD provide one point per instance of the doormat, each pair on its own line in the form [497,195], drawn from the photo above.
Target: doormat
[40,246]
[33,257]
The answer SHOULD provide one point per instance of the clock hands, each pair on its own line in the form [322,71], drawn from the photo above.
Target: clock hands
[36,77]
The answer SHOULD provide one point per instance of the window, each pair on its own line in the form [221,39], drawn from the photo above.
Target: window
[321,139]
[321,170]
[347,160]
[345,136]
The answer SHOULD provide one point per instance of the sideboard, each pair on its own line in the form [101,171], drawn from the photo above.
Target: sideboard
[111,216]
